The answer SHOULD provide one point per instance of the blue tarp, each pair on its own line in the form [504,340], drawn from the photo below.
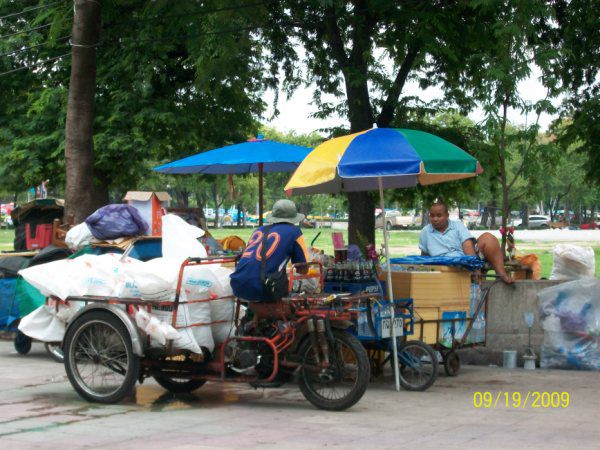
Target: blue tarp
[9,310]
[468,262]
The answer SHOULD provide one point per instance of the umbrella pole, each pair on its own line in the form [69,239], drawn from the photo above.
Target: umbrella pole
[390,290]
[260,194]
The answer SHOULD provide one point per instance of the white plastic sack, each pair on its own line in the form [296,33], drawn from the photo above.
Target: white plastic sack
[154,280]
[85,275]
[222,310]
[98,274]
[78,237]
[58,278]
[572,262]
[46,324]
[189,337]
[155,328]
[180,239]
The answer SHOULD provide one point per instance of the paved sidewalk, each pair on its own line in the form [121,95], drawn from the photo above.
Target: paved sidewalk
[39,409]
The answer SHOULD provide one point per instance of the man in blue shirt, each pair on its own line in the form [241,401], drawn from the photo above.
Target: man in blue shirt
[284,242]
[444,237]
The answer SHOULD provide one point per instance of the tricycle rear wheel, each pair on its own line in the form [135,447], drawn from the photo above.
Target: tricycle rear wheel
[342,384]
[179,385]
[418,365]
[99,358]
[451,363]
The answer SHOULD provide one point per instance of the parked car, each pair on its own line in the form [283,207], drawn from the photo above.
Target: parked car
[394,219]
[536,221]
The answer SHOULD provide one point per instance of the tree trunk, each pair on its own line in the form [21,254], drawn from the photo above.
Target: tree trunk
[201,202]
[100,194]
[215,194]
[361,205]
[79,145]
[239,215]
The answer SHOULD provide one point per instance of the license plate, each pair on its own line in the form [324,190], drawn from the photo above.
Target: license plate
[386,329]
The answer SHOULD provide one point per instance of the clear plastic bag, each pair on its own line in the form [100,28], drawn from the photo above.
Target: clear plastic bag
[570,318]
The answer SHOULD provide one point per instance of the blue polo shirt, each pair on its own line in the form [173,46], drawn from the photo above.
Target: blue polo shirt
[285,241]
[448,243]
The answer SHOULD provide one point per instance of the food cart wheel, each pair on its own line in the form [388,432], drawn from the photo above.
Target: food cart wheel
[341,385]
[451,363]
[99,358]
[22,343]
[418,365]
[55,351]
[179,385]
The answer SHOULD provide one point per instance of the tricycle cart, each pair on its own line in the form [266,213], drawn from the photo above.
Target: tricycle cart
[306,337]
[371,324]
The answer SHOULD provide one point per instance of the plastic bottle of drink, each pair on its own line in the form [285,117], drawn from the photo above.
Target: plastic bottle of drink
[363,325]
[328,272]
[477,333]
[338,272]
[348,272]
[357,273]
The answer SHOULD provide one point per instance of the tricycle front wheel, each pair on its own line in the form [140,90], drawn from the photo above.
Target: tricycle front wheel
[341,385]
[99,358]
[55,351]
[22,343]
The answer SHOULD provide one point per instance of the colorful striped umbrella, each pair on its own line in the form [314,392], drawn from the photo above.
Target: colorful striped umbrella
[381,158]
[401,158]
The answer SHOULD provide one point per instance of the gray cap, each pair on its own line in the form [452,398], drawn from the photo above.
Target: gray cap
[285,211]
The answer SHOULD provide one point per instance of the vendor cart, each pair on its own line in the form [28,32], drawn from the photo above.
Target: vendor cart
[456,330]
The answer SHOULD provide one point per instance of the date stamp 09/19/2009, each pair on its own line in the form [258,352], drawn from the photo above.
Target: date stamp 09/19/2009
[521,400]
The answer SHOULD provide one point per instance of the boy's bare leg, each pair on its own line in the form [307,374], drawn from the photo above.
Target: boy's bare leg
[489,246]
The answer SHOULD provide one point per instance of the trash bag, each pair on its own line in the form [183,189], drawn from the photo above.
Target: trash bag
[180,239]
[115,221]
[573,262]
[78,237]
[570,318]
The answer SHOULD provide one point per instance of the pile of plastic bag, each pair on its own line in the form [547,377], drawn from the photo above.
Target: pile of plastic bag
[570,318]
[572,262]
[206,309]
[110,222]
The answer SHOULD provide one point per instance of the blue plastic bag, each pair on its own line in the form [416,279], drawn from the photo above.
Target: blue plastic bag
[115,221]
[468,262]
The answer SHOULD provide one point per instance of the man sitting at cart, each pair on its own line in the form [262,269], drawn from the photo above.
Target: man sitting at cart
[444,237]
[284,242]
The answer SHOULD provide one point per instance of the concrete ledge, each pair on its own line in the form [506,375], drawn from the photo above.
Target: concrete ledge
[506,328]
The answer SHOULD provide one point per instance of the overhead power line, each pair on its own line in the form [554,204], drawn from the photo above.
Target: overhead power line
[34,65]
[28,30]
[28,10]
[14,52]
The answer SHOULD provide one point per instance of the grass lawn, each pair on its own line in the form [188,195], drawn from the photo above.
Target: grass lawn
[403,243]
[6,239]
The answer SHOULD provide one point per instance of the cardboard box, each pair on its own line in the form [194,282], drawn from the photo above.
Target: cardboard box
[435,286]
[438,292]
[152,206]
